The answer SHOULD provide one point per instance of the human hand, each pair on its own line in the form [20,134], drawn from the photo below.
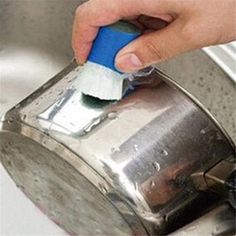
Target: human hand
[170,27]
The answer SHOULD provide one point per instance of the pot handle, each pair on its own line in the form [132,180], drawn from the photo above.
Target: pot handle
[220,179]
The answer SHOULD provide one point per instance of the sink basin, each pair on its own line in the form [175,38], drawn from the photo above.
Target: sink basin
[34,45]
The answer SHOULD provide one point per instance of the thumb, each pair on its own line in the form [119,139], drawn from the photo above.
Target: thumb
[152,48]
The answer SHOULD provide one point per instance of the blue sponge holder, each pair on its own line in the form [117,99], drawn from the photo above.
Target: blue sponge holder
[109,41]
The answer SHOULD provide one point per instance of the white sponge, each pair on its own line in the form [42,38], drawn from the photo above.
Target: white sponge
[99,81]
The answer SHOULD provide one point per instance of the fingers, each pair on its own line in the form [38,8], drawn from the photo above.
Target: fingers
[90,16]
[95,13]
[151,23]
[153,48]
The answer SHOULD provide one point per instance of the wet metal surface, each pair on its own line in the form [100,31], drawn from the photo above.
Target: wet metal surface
[138,153]
[58,190]
[35,44]
[53,146]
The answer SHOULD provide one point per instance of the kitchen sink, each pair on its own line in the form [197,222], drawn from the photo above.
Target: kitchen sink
[35,44]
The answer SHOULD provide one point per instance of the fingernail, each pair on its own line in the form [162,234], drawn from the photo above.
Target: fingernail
[128,62]
[79,61]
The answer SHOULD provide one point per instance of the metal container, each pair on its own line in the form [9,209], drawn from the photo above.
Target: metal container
[132,167]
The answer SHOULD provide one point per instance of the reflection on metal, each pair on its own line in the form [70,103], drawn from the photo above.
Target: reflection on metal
[218,179]
[86,114]
[218,222]
[129,162]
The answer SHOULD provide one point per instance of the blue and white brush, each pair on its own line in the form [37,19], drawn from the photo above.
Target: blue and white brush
[98,77]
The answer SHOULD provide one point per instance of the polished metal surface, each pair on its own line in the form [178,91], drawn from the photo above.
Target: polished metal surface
[58,189]
[120,167]
[35,44]
[220,179]
[138,152]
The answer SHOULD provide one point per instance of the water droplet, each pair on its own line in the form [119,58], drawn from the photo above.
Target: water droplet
[10,120]
[103,188]
[98,231]
[202,131]
[72,124]
[115,149]
[60,92]
[136,148]
[92,125]
[78,199]
[45,86]
[9,163]
[164,152]
[152,184]
[156,166]
[191,228]
[20,186]
[136,186]
[10,143]
[51,214]
[112,115]
[24,117]
[17,106]
[44,142]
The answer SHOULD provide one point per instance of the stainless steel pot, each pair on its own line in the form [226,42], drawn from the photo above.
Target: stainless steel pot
[133,167]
